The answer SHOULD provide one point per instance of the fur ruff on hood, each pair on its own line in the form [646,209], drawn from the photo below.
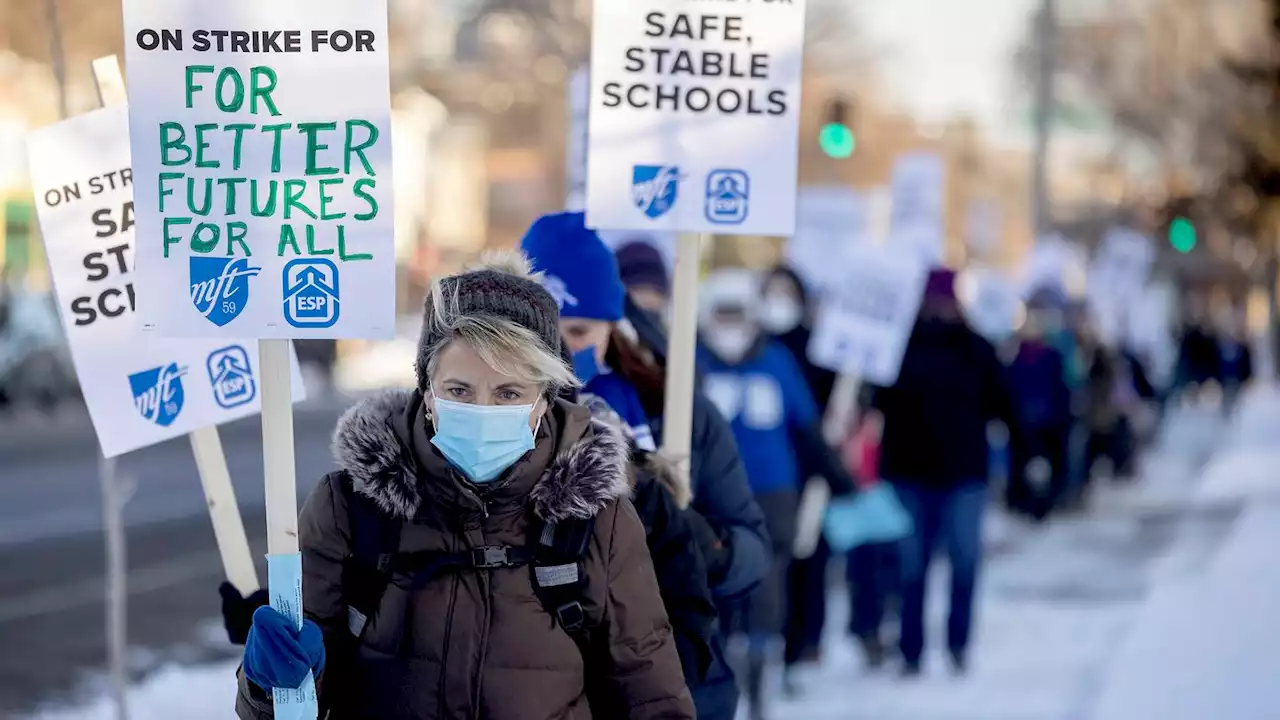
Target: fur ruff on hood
[580,481]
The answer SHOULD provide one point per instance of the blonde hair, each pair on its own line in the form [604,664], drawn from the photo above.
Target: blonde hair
[506,346]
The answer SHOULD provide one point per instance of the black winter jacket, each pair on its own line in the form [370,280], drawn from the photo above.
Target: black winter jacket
[952,385]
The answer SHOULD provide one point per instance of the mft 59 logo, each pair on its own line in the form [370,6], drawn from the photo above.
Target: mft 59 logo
[220,287]
[158,393]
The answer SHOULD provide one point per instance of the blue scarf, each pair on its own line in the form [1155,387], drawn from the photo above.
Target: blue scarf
[622,399]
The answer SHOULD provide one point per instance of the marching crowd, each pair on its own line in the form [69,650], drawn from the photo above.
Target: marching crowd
[503,541]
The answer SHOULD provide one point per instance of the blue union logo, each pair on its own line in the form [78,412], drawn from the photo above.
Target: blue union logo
[220,287]
[311,293]
[231,377]
[158,394]
[654,188]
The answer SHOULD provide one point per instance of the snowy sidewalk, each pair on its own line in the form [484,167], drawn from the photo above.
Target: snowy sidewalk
[1208,643]
[1054,605]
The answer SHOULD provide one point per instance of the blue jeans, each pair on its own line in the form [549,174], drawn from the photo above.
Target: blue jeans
[873,577]
[952,517]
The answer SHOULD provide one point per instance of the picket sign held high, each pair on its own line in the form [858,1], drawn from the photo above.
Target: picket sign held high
[206,444]
[677,424]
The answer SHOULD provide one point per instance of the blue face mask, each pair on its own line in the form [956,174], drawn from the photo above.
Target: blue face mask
[482,440]
[585,365]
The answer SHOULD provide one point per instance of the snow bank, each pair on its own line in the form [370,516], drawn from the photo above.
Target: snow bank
[1208,645]
[193,693]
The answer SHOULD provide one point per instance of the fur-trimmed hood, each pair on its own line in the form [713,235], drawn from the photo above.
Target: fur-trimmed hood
[372,443]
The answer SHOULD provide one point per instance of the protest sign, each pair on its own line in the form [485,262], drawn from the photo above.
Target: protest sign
[693,116]
[1120,266]
[262,158]
[918,211]
[1053,262]
[918,207]
[982,228]
[865,321]
[578,90]
[829,221]
[575,169]
[990,301]
[139,390]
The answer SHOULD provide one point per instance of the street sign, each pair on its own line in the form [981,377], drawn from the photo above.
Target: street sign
[694,114]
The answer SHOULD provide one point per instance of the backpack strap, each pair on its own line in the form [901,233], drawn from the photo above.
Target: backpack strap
[375,539]
[559,578]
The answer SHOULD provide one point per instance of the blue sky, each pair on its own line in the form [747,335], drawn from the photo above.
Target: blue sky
[946,57]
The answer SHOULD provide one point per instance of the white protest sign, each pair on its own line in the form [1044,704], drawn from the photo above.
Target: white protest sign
[262,157]
[866,319]
[829,221]
[918,212]
[990,300]
[139,390]
[1055,262]
[578,90]
[694,116]
[1121,265]
[982,226]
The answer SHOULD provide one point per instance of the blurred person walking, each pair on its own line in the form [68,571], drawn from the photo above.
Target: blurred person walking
[1111,398]
[482,486]
[787,313]
[620,378]
[934,451]
[759,387]
[1038,468]
[1236,353]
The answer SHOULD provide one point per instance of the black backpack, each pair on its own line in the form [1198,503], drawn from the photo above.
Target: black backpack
[554,556]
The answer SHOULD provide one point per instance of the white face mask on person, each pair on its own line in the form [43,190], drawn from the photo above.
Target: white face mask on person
[730,342]
[780,314]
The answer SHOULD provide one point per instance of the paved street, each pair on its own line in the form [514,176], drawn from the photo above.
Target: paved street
[51,547]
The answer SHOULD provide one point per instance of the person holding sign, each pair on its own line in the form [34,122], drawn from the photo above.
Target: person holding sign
[761,390]
[934,451]
[477,554]
[578,268]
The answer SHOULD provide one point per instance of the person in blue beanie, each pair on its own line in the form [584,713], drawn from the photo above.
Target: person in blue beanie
[758,385]
[580,271]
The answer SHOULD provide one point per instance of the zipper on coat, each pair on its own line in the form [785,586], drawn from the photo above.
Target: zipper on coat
[444,655]
[486,581]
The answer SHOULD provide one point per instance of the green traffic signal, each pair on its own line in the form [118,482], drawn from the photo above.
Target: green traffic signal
[837,140]
[1182,235]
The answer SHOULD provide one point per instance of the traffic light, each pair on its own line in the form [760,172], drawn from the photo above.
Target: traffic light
[1182,234]
[836,138]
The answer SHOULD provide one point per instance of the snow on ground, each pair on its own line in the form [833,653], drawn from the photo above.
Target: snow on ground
[191,693]
[1056,606]
[1052,608]
[1208,644]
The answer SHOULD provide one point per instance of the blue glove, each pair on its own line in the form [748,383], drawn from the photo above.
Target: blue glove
[871,516]
[277,655]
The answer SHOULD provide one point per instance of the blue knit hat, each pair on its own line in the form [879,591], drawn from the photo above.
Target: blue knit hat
[579,270]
